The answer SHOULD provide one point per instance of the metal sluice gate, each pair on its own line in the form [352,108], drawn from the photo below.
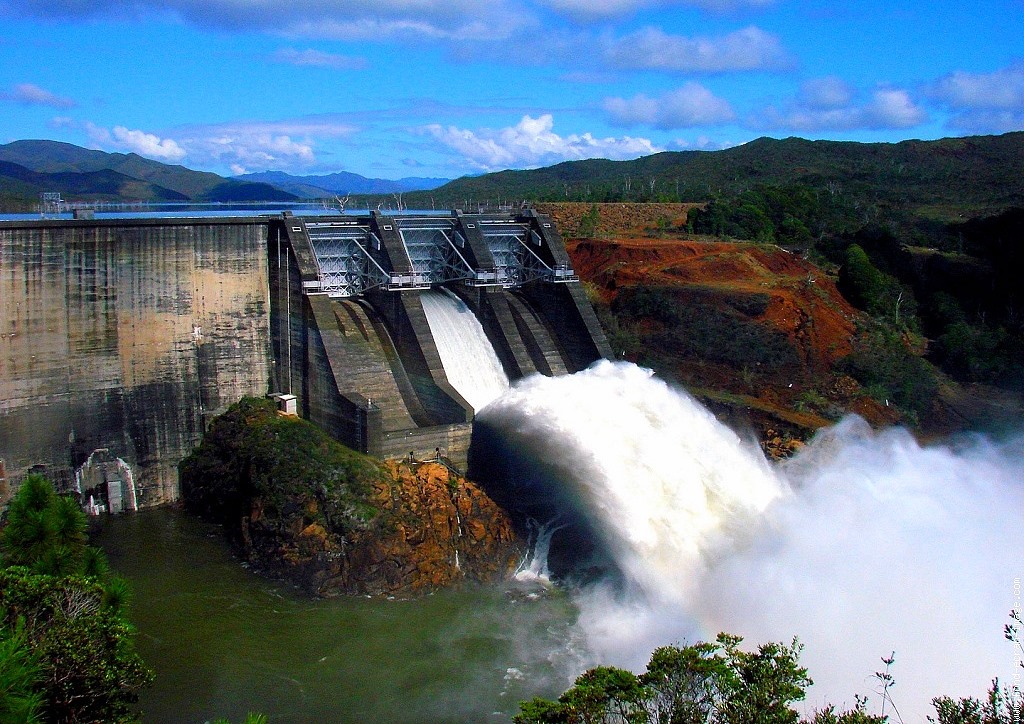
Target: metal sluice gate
[352,259]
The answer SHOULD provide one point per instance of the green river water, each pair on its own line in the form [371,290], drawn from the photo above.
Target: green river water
[224,640]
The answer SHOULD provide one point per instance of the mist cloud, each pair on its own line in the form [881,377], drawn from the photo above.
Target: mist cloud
[983,102]
[864,544]
[318,19]
[593,10]
[311,58]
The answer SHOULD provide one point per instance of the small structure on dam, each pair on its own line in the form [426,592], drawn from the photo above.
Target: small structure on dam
[126,336]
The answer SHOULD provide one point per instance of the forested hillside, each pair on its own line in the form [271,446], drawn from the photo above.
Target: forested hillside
[934,178]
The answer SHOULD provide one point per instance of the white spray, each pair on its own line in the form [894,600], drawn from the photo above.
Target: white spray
[863,545]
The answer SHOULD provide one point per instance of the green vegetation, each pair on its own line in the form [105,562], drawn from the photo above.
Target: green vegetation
[250,451]
[712,683]
[791,216]
[955,283]
[1002,705]
[674,323]
[251,718]
[952,175]
[590,223]
[20,697]
[718,683]
[66,651]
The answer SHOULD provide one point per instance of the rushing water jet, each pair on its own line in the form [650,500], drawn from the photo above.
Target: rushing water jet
[469,359]
[864,544]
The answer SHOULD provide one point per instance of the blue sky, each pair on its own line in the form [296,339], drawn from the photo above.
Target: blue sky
[397,88]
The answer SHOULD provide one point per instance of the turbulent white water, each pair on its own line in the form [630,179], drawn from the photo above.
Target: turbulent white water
[864,544]
[469,360]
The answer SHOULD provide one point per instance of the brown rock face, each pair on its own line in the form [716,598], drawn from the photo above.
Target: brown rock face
[431,530]
[702,294]
[801,301]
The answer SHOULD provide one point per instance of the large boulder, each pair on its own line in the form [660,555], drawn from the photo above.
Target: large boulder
[302,506]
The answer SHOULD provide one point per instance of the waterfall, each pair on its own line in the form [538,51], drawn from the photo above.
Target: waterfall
[469,360]
[864,544]
[534,567]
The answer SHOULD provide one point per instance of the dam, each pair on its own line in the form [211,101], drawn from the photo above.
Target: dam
[121,339]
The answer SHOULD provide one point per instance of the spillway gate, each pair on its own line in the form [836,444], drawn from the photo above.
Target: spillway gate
[352,258]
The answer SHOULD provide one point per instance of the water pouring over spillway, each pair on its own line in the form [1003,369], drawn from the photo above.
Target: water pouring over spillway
[864,544]
[472,366]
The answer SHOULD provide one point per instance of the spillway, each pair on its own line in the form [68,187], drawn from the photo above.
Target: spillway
[469,359]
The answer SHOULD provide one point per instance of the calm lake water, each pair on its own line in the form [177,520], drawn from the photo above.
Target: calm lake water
[224,640]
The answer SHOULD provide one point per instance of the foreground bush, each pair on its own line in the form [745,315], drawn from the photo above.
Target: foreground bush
[718,683]
[66,649]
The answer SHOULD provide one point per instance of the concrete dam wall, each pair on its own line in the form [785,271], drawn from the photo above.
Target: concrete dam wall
[121,339]
[129,336]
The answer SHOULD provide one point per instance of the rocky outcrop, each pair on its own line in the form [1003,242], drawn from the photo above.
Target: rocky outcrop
[433,530]
[303,507]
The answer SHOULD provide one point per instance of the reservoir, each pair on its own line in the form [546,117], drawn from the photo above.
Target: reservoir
[225,640]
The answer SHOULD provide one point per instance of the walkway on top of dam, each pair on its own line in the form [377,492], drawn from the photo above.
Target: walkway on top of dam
[359,253]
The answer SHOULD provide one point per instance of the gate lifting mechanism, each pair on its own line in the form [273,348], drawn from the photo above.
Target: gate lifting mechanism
[348,268]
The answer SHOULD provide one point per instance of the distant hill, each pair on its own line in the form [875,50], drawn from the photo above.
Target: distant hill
[312,187]
[103,184]
[946,177]
[28,168]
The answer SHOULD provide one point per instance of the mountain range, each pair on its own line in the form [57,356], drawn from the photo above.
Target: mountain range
[944,179]
[29,168]
[316,187]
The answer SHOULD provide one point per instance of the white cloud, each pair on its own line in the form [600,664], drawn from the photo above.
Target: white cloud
[689,106]
[589,10]
[318,59]
[135,141]
[261,145]
[826,93]
[251,148]
[258,145]
[32,95]
[703,143]
[652,49]
[147,144]
[532,142]
[984,102]
[829,104]
[312,19]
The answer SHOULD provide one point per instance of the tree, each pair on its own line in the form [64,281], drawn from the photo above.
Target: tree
[590,222]
[1003,705]
[89,670]
[65,646]
[706,683]
[20,700]
[44,531]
